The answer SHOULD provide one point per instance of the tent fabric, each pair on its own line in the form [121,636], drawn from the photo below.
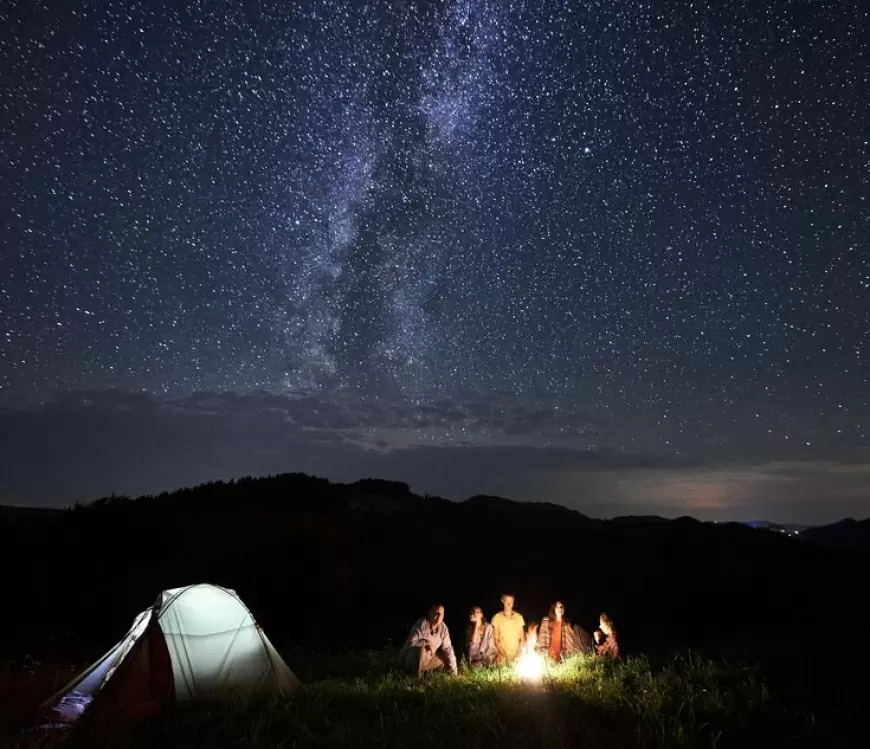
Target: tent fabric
[215,644]
[193,643]
[287,681]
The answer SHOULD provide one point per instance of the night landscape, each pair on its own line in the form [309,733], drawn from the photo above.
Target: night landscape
[317,316]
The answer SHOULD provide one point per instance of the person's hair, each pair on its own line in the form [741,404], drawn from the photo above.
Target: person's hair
[508,595]
[609,622]
[552,613]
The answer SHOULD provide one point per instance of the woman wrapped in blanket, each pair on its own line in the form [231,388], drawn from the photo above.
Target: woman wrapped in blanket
[558,638]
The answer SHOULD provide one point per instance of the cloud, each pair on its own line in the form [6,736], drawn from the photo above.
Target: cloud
[83,445]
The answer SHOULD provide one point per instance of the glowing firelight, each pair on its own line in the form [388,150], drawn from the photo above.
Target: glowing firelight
[530,665]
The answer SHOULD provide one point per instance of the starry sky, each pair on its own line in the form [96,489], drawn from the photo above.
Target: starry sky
[615,255]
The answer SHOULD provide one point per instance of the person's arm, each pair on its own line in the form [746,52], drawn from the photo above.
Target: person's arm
[419,636]
[522,631]
[602,646]
[487,645]
[447,647]
[596,641]
[583,639]
[543,641]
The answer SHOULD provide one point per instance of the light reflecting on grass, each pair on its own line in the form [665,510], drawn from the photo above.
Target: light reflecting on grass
[576,668]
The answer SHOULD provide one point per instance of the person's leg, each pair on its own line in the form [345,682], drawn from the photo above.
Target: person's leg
[414,661]
[488,661]
[432,662]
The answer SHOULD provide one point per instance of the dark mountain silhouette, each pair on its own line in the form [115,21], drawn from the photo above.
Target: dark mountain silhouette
[326,565]
[845,534]
[10,513]
[332,566]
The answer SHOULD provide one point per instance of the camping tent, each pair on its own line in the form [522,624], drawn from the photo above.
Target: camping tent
[194,642]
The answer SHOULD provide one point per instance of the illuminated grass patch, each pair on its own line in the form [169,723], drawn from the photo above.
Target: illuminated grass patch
[584,702]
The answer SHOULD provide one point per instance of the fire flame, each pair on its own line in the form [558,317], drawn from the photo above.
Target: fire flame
[530,665]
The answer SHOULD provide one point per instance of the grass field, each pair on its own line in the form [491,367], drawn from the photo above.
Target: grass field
[358,700]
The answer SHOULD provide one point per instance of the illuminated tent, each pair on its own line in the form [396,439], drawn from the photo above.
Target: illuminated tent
[193,643]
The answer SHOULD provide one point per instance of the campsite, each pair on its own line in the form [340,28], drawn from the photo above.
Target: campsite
[733,636]
[434,373]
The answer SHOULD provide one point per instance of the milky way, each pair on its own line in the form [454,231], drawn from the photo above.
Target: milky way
[651,210]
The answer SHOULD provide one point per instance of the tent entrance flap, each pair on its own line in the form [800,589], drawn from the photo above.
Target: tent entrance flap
[70,703]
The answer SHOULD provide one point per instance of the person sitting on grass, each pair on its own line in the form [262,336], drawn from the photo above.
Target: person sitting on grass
[508,628]
[609,648]
[428,647]
[480,647]
[558,638]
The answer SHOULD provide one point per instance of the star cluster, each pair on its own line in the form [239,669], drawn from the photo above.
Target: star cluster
[655,210]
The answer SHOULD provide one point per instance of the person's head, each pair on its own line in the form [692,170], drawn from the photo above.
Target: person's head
[507,600]
[557,611]
[475,616]
[606,624]
[436,615]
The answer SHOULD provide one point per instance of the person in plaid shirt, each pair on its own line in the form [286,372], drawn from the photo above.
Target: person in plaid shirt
[558,638]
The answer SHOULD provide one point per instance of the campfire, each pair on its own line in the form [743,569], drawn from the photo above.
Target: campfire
[530,665]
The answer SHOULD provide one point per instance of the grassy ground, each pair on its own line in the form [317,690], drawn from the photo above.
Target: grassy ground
[359,701]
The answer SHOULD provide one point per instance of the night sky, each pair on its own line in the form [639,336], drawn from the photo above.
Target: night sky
[609,254]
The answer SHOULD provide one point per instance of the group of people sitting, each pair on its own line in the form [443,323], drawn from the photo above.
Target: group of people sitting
[501,641]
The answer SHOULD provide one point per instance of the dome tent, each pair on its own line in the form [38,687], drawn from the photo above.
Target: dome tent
[193,643]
